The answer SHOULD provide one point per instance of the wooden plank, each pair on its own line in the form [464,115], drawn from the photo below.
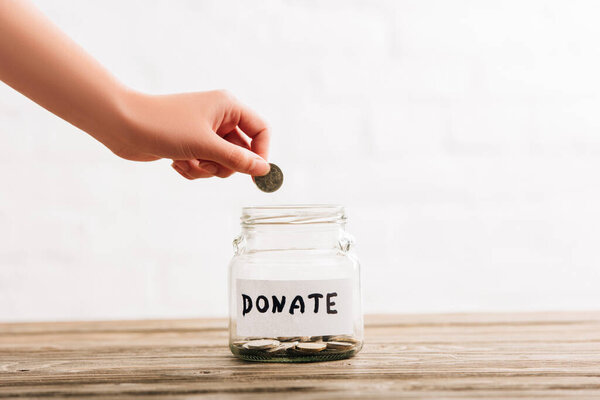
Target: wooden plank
[427,356]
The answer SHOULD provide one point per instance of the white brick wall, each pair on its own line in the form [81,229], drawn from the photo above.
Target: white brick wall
[463,136]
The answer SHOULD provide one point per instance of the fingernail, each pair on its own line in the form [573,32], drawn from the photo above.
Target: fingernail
[209,167]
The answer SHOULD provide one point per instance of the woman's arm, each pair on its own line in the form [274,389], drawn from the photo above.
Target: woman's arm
[206,133]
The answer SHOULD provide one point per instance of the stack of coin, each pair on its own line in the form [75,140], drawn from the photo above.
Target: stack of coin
[302,348]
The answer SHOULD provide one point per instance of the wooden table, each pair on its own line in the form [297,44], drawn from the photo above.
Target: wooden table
[455,356]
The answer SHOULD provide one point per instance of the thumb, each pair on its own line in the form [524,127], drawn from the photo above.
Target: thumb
[238,158]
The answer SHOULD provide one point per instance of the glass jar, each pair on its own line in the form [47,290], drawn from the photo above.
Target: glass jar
[294,286]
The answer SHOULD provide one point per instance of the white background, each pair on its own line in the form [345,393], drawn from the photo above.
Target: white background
[463,137]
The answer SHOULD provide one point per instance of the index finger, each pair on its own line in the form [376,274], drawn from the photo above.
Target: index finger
[256,129]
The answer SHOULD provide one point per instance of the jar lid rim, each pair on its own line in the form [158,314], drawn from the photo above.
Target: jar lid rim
[293,214]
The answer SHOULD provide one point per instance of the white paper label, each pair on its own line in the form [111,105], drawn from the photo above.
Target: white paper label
[268,308]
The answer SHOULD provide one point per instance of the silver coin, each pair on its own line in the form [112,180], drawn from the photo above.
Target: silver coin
[282,348]
[262,344]
[340,345]
[271,181]
[288,338]
[343,338]
[310,347]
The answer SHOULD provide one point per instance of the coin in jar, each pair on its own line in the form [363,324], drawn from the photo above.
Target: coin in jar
[282,348]
[271,181]
[310,347]
[343,338]
[262,344]
[288,338]
[340,345]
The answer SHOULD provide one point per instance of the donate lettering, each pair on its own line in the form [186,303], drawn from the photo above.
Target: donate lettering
[280,304]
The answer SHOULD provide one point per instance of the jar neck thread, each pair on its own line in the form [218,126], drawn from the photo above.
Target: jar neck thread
[318,226]
[288,237]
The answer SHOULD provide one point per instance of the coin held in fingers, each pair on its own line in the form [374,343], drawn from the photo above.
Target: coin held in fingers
[271,181]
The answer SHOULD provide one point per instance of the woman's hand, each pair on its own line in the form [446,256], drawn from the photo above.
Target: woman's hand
[205,134]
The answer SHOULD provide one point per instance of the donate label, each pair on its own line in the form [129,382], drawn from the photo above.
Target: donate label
[267,308]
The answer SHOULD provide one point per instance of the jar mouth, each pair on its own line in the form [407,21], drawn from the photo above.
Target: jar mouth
[293,214]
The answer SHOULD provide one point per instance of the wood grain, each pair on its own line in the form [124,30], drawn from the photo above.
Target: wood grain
[551,355]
